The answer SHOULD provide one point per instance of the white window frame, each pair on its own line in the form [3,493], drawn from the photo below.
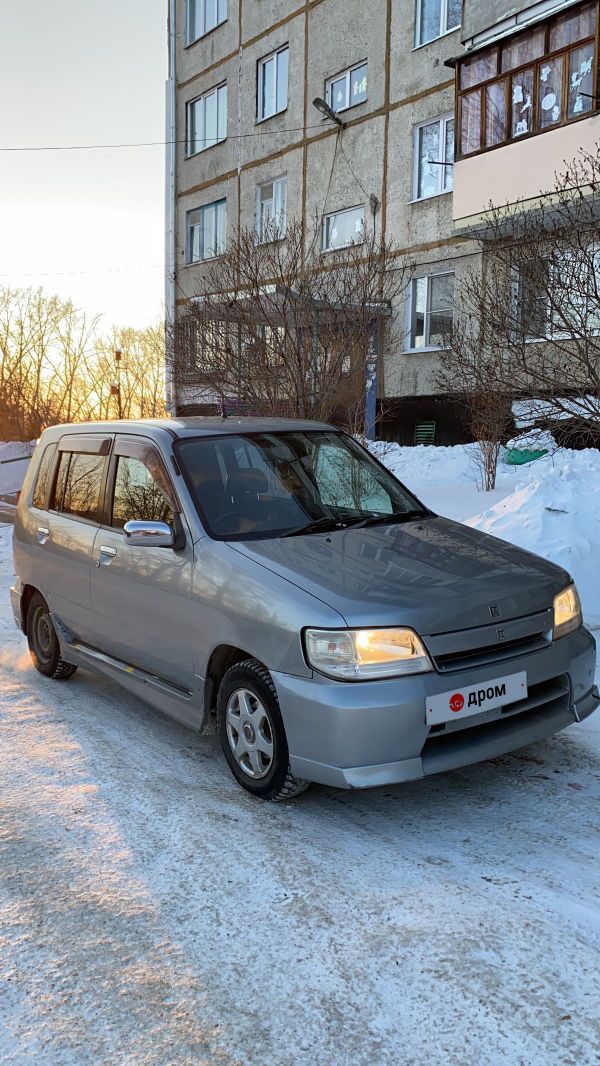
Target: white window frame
[347,74]
[190,37]
[279,226]
[426,347]
[335,214]
[279,106]
[222,201]
[442,122]
[220,91]
[442,27]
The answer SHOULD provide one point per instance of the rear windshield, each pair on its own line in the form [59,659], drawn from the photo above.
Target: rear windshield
[268,484]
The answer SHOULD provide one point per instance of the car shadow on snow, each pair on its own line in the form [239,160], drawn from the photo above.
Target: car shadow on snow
[555,769]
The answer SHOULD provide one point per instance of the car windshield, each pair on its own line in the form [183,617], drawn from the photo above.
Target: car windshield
[258,485]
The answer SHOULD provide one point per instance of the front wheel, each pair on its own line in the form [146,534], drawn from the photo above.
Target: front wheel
[44,647]
[252,734]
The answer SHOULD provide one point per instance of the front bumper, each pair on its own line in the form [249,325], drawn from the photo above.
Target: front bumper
[361,734]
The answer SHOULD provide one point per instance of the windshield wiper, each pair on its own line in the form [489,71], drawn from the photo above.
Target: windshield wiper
[327,523]
[395,516]
[320,525]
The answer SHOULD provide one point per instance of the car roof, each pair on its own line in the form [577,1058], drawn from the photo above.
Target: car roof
[193,426]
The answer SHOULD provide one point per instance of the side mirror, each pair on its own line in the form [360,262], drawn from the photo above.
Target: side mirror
[156,534]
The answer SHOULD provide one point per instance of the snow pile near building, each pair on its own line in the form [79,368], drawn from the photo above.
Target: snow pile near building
[555,512]
[13,473]
[533,440]
[425,463]
[527,412]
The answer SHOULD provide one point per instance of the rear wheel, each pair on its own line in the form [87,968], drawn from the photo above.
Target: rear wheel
[252,734]
[44,647]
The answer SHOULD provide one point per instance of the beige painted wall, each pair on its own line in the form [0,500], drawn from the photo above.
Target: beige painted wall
[522,170]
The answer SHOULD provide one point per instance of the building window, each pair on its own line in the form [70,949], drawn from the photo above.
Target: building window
[202,16]
[206,120]
[271,209]
[434,157]
[557,296]
[273,84]
[343,228]
[431,310]
[434,18]
[348,88]
[533,82]
[207,231]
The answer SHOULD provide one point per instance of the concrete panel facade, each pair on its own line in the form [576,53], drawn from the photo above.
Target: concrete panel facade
[327,170]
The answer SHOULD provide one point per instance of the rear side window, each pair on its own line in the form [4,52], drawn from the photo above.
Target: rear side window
[42,482]
[140,492]
[78,484]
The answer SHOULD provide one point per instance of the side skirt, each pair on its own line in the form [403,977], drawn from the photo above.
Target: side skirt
[184,705]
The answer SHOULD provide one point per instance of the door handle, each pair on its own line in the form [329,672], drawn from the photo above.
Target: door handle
[108,553]
[43,533]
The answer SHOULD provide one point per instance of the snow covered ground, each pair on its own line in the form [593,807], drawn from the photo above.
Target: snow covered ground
[152,913]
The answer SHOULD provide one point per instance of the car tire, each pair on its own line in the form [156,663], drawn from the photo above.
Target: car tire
[252,734]
[43,642]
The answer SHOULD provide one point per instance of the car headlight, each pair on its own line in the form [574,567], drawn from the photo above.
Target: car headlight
[365,654]
[567,612]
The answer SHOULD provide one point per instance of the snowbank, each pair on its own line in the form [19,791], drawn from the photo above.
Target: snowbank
[427,463]
[555,512]
[12,473]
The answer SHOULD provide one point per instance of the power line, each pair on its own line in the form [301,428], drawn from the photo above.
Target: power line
[160,267]
[77,273]
[149,144]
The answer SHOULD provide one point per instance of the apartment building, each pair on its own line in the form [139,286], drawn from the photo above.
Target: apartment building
[517,82]
[250,147]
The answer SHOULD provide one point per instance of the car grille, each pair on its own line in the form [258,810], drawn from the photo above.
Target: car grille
[495,653]
[482,645]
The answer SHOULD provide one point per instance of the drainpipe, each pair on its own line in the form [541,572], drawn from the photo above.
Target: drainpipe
[170,203]
[371,381]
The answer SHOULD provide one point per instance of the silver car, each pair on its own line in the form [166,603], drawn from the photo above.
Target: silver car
[275,573]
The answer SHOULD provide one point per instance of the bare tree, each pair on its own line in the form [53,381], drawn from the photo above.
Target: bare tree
[139,374]
[54,366]
[475,369]
[527,320]
[276,327]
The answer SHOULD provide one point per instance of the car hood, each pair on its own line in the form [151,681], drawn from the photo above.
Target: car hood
[434,575]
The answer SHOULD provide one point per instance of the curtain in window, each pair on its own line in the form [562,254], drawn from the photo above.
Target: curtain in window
[448,176]
[429,156]
[282,80]
[429,22]
[522,103]
[495,113]
[470,122]
[550,92]
[441,294]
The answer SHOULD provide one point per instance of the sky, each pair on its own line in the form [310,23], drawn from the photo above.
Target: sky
[87,225]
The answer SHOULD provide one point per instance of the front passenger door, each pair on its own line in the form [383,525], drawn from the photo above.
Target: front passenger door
[141,595]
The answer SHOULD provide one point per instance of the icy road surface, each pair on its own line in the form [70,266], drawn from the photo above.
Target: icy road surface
[152,913]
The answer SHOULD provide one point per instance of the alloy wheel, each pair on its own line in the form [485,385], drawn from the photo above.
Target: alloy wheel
[249,733]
